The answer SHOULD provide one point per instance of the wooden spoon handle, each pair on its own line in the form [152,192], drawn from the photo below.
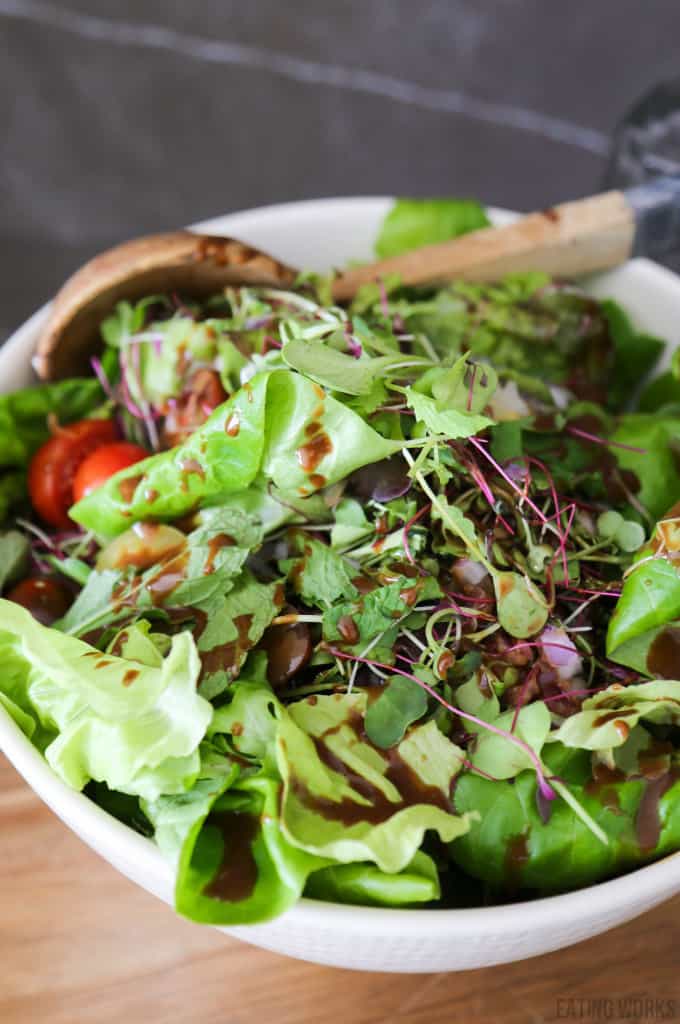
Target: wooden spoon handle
[567,240]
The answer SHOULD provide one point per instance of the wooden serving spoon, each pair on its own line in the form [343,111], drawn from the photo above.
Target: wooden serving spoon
[567,240]
[190,264]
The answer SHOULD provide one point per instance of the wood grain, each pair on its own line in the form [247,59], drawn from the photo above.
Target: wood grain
[80,944]
[568,240]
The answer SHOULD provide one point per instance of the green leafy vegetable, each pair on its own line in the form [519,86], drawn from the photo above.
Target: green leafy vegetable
[273,414]
[362,809]
[367,885]
[415,222]
[511,848]
[607,719]
[445,422]
[522,608]
[400,704]
[135,727]
[14,551]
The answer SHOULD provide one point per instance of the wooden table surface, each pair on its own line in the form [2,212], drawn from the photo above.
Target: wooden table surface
[80,943]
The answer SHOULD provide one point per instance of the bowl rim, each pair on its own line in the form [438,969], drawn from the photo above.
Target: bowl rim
[653,882]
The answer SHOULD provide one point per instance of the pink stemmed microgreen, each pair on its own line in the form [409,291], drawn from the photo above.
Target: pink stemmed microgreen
[594,439]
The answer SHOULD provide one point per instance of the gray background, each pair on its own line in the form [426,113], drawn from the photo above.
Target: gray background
[120,117]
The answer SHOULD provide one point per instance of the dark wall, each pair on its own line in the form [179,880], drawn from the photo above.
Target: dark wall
[119,117]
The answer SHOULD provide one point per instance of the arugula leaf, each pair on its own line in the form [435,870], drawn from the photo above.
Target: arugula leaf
[445,422]
[366,885]
[360,809]
[411,223]
[94,607]
[135,727]
[233,625]
[401,703]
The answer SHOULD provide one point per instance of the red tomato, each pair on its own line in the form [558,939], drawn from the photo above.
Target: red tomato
[192,408]
[103,463]
[46,599]
[54,466]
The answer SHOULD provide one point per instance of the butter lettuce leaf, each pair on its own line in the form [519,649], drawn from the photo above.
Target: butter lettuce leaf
[346,800]
[414,222]
[512,849]
[279,427]
[135,727]
[607,719]
[368,886]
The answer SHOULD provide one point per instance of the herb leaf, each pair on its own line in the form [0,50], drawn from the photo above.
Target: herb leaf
[401,703]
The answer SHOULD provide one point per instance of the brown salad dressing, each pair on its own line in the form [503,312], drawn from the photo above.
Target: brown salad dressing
[663,658]
[128,486]
[516,856]
[215,545]
[309,455]
[236,876]
[379,808]
[227,657]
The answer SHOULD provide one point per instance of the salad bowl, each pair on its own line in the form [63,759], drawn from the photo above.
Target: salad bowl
[319,235]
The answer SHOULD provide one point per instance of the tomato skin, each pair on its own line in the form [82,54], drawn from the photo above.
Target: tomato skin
[46,599]
[190,411]
[102,463]
[53,468]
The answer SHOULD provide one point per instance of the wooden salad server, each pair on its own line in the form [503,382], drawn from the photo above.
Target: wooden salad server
[183,262]
[569,240]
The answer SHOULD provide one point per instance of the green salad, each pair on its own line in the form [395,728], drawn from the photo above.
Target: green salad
[377,605]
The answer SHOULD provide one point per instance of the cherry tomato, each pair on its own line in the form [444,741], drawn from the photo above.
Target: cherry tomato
[54,466]
[192,408]
[103,463]
[45,598]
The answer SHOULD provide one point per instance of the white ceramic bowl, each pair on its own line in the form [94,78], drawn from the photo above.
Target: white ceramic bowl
[320,234]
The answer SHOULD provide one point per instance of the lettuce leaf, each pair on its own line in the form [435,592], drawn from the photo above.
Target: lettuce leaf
[607,719]
[511,848]
[367,886]
[346,800]
[236,866]
[266,431]
[414,222]
[134,726]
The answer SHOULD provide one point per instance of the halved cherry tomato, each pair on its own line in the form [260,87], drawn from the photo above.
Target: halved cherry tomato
[45,598]
[192,408]
[103,463]
[54,466]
